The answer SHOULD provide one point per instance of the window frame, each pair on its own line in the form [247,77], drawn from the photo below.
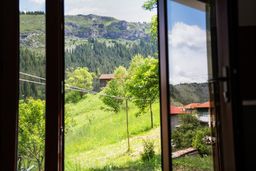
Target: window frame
[9,87]
[54,149]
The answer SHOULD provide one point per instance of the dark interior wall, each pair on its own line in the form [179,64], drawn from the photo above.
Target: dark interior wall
[246,43]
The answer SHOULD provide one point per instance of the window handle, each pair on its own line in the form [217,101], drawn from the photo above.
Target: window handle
[224,80]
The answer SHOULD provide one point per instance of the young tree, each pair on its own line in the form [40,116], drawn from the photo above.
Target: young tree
[31,133]
[79,78]
[115,89]
[143,82]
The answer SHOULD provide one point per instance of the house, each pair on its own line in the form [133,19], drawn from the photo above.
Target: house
[176,113]
[104,79]
[202,111]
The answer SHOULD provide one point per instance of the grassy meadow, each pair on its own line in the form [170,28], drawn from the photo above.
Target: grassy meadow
[97,137]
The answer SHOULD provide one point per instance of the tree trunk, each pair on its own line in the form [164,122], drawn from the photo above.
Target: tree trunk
[151,115]
[127,125]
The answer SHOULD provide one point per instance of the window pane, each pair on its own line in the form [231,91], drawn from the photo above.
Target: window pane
[31,129]
[191,137]
[112,119]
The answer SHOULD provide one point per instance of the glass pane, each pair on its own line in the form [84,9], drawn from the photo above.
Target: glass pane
[191,137]
[31,129]
[112,119]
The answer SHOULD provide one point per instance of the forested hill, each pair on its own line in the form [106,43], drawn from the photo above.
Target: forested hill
[190,93]
[99,43]
[82,27]
[93,26]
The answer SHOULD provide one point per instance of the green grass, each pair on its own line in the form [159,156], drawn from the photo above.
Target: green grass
[97,140]
[95,130]
[193,163]
[32,23]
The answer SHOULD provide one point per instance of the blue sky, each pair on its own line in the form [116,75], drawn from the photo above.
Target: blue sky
[32,5]
[181,13]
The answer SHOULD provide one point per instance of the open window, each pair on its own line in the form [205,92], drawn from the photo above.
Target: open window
[56,83]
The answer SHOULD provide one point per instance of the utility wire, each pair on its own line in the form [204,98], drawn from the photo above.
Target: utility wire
[30,81]
[74,88]
[33,76]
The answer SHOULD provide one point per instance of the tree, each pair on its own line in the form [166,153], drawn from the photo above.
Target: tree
[115,89]
[80,78]
[150,5]
[143,83]
[112,98]
[31,133]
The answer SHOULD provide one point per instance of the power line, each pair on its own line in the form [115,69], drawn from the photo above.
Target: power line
[30,81]
[74,88]
[92,92]
[33,76]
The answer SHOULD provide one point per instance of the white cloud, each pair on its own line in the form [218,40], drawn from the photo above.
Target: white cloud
[38,2]
[129,10]
[187,54]
[81,10]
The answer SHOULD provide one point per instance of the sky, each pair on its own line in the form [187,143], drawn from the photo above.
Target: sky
[187,44]
[129,10]
[186,27]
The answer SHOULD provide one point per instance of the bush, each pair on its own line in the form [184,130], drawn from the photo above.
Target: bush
[200,144]
[149,152]
[182,136]
[72,97]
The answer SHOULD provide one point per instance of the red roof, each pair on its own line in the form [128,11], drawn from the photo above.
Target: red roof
[204,105]
[177,110]
[106,77]
[197,105]
[191,106]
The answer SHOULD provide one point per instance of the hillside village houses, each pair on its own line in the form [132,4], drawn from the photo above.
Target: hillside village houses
[200,110]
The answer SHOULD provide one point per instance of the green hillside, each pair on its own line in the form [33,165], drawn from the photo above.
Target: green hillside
[97,42]
[96,136]
[97,140]
[190,93]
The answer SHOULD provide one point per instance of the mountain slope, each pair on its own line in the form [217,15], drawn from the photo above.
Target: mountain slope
[82,27]
[93,26]
[190,92]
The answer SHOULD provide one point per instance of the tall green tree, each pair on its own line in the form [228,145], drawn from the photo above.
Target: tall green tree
[150,5]
[115,89]
[143,83]
[80,78]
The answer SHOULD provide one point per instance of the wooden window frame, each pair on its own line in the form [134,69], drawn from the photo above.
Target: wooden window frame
[9,85]
[54,149]
[54,140]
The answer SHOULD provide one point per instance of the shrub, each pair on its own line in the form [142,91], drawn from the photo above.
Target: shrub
[149,152]
[72,97]
[182,136]
[200,144]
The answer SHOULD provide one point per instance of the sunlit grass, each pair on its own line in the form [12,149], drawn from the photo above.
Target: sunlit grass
[98,131]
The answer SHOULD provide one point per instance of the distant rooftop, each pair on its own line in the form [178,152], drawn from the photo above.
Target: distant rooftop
[197,105]
[106,77]
[177,110]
